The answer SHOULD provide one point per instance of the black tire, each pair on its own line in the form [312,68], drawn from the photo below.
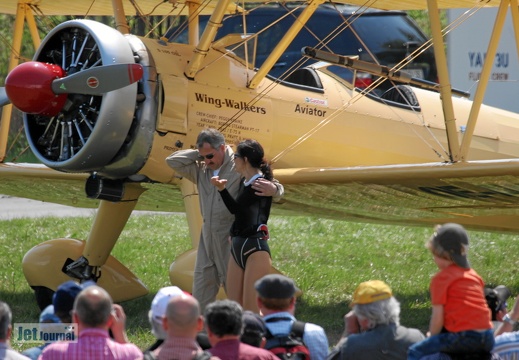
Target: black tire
[43,296]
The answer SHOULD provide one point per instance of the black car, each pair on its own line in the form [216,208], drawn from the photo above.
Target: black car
[383,37]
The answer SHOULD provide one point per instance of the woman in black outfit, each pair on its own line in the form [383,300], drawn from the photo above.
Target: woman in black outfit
[249,234]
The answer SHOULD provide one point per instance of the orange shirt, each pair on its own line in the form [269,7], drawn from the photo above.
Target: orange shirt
[460,291]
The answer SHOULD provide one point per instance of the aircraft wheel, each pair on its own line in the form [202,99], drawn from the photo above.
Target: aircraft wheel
[43,296]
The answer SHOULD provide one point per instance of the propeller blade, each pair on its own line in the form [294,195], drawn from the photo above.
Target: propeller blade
[4,100]
[98,80]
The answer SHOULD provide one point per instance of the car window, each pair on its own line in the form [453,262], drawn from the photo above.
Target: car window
[387,33]
[389,36]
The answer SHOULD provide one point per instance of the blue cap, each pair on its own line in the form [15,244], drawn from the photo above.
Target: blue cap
[63,298]
[48,316]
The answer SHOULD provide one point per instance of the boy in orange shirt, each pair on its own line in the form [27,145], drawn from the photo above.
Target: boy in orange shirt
[460,321]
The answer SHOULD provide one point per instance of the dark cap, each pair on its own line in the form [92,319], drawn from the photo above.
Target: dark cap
[253,322]
[454,240]
[276,286]
[63,298]
[496,299]
[254,328]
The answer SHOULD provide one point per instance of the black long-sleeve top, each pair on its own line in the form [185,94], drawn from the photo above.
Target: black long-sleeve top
[249,210]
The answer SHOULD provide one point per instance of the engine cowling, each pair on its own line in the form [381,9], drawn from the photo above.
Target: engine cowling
[95,133]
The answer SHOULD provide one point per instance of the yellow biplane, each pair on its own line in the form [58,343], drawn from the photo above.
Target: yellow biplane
[103,108]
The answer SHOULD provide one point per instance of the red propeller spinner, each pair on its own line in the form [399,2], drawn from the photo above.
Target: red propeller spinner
[42,88]
[29,87]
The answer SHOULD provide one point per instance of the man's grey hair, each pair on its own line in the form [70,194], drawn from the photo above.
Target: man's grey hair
[211,136]
[382,312]
[5,319]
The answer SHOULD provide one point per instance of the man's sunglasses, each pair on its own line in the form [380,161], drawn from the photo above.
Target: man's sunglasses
[208,156]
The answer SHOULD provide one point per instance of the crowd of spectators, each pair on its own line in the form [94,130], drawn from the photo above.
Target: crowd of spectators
[468,320]
[372,328]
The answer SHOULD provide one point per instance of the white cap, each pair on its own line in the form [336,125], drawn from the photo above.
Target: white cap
[160,301]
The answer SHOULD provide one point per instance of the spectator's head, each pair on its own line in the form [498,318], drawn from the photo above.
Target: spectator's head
[276,293]
[496,301]
[157,311]
[47,316]
[450,242]
[5,322]
[183,316]
[254,329]
[223,318]
[373,304]
[64,297]
[63,300]
[211,147]
[48,320]
[93,308]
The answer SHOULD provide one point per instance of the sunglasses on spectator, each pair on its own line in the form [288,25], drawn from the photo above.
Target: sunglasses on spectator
[208,156]
[237,156]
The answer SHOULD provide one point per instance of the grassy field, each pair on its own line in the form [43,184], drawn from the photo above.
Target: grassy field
[326,258]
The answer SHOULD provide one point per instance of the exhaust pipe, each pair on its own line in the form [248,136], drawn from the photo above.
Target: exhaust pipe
[104,189]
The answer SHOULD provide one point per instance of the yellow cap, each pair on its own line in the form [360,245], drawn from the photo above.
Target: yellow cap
[371,291]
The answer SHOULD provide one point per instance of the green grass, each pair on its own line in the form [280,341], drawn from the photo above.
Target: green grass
[326,258]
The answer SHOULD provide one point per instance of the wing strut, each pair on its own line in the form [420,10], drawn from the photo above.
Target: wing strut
[194,22]
[515,20]
[208,36]
[443,75]
[485,76]
[23,13]
[285,42]
[120,17]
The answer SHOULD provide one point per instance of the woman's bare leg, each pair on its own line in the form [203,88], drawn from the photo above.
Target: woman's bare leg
[258,265]
[234,282]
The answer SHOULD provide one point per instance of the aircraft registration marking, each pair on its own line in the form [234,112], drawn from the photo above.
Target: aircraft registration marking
[168,51]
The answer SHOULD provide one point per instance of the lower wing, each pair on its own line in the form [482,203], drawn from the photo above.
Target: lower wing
[481,195]
[38,182]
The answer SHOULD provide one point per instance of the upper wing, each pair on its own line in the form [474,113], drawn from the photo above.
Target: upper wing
[155,7]
[422,4]
[81,7]
[104,7]
[480,195]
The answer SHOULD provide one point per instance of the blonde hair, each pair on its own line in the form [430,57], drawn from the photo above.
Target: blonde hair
[436,249]
[276,304]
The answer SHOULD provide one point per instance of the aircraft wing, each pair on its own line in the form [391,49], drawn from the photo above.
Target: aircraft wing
[155,7]
[422,4]
[104,7]
[417,194]
[39,182]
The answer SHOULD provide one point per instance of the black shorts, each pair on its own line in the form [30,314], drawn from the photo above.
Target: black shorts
[243,247]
